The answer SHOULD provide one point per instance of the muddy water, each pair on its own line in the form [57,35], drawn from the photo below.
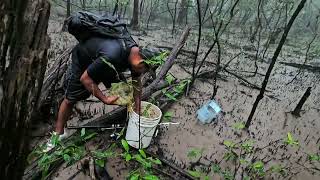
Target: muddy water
[271,121]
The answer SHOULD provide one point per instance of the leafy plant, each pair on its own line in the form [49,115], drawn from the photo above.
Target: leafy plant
[167,116]
[257,169]
[199,174]
[70,153]
[229,144]
[238,125]
[290,140]
[144,171]
[247,146]
[278,169]
[100,156]
[170,79]
[146,111]
[314,157]
[157,60]
[177,90]
[194,153]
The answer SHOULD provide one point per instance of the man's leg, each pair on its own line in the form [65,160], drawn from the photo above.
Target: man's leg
[64,114]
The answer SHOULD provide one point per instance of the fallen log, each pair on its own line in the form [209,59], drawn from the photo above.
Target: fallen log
[314,69]
[54,77]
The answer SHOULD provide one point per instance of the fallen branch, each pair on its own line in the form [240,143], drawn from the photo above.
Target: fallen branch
[182,50]
[179,170]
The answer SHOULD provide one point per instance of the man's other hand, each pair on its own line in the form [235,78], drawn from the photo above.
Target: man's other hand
[110,99]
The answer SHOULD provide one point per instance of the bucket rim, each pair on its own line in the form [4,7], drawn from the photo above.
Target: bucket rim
[151,119]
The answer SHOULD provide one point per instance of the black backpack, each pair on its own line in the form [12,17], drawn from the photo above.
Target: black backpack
[83,25]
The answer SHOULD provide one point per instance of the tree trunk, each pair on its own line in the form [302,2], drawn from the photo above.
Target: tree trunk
[273,61]
[84,3]
[304,98]
[135,16]
[68,8]
[183,12]
[26,24]
[116,7]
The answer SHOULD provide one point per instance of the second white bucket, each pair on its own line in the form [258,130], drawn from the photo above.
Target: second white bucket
[147,127]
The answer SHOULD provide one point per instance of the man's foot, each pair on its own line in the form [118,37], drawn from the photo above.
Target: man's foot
[50,144]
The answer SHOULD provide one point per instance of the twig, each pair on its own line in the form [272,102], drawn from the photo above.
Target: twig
[179,170]
[91,169]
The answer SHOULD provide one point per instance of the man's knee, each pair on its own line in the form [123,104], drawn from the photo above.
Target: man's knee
[68,102]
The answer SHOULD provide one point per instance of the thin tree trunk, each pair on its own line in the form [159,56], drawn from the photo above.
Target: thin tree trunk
[304,98]
[135,16]
[198,44]
[68,8]
[273,61]
[22,79]
[141,7]
[116,6]
[183,12]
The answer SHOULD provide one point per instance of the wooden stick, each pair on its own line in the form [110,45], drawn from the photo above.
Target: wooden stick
[304,98]
[173,166]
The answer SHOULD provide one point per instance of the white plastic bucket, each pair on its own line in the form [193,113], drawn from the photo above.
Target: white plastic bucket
[147,127]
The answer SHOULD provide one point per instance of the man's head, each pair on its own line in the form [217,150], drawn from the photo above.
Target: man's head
[136,61]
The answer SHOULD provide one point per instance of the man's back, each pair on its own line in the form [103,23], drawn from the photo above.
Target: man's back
[93,49]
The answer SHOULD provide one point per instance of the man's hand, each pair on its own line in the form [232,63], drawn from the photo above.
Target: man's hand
[92,87]
[110,99]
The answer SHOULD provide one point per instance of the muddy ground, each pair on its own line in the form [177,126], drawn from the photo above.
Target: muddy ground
[272,120]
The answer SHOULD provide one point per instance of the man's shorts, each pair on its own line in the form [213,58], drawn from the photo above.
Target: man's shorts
[74,89]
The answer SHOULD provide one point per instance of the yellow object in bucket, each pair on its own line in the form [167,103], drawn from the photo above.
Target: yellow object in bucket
[124,91]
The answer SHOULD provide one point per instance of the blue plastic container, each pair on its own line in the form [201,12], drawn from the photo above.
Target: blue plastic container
[208,112]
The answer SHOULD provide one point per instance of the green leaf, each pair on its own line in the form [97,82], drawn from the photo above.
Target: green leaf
[195,174]
[100,162]
[150,177]
[227,175]
[143,154]
[170,96]
[128,157]
[290,140]
[194,153]
[229,144]
[238,125]
[54,139]
[230,156]
[156,161]
[246,178]
[170,79]
[258,165]
[111,66]
[66,157]
[216,168]
[243,161]
[168,116]
[314,157]
[247,146]
[134,177]
[83,132]
[89,136]
[289,137]
[125,145]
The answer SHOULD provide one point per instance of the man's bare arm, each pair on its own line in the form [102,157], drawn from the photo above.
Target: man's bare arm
[93,88]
